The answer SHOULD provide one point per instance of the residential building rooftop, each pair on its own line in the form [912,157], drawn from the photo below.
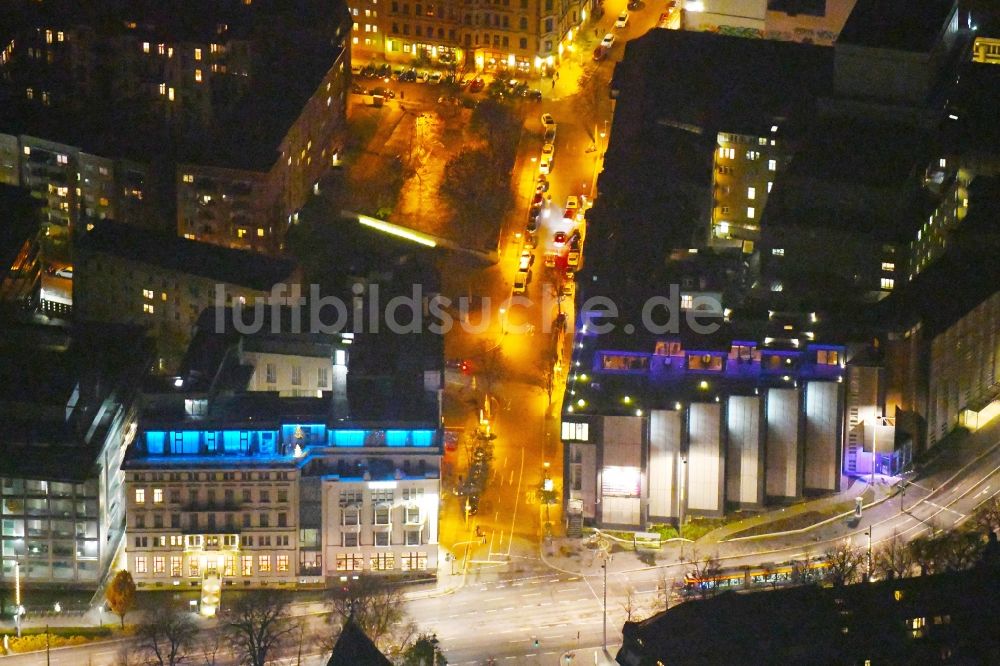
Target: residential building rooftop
[896,24]
[168,251]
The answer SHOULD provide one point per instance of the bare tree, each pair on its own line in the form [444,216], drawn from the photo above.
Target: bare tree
[959,550]
[844,563]
[257,625]
[802,571]
[167,637]
[376,605]
[629,605]
[923,552]
[663,590]
[893,559]
[987,516]
[209,645]
[706,569]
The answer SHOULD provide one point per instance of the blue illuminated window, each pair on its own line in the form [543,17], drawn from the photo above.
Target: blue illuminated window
[423,437]
[348,437]
[396,437]
[156,442]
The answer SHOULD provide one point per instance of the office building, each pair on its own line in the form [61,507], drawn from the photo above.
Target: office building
[810,21]
[70,410]
[232,484]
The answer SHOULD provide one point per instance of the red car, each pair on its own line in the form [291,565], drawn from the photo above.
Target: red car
[559,239]
[599,53]
[476,85]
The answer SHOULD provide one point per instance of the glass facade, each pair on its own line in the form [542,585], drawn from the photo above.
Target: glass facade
[51,528]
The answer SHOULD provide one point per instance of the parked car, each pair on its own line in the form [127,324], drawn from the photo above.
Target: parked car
[559,239]
[548,120]
[550,134]
[608,41]
[384,71]
[572,206]
[525,260]
[384,92]
[477,85]
[548,150]
[533,94]
[550,259]
[622,19]
[435,78]
[408,76]
[599,53]
[521,280]
[545,165]
[358,89]
[542,184]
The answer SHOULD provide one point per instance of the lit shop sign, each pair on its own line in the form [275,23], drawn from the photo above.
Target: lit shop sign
[620,482]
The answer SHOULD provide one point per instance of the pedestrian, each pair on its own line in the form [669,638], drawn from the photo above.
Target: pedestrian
[553,84]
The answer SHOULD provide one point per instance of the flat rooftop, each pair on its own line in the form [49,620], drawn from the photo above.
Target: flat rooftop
[902,25]
[171,252]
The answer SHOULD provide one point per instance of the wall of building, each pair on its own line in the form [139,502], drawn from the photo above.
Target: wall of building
[706,458]
[822,436]
[744,171]
[238,521]
[744,454]
[725,15]
[224,207]
[665,429]
[380,526]
[621,465]
[782,460]
[964,369]
[819,28]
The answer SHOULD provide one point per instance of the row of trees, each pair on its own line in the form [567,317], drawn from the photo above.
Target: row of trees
[477,180]
[258,627]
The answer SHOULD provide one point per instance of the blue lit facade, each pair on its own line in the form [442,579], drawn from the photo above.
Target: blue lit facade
[698,425]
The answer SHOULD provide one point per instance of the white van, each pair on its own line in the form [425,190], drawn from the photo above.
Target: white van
[521,281]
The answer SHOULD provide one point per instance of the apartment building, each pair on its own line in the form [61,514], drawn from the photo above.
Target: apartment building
[162,283]
[251,98]
[745,167]
[64,435]
[527,36]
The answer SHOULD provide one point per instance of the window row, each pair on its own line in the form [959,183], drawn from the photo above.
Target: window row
[194,522]
[381,515]
[382,539]
[229,496]
[411,561]
[208,476]
[211,566]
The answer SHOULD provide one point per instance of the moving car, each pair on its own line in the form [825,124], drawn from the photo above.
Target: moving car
[548,120]
[559,239]
[622,20]
[525,261]
[608,41]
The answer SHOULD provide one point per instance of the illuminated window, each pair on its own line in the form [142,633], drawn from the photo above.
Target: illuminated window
[260,232]
[163,88]
[753,155]
[197,76]
[381,515]
[193,567]
[170,94]
[413,561]
[159,564]
[751,212]
[246,565]
[751,193]
[176,564]
[687,301]
[827,357]
[48,36]
[161,49]
[887,283]
[578,432]
[240,233]
[148,309]
[170,52]
[140,564]
[350,562]
[197,54]
[228,566]
[157,495]
[30,92]
[778,251]
[888,266]
[769,184]
[145,47]
[772,165]
[264,564]
[383,562]
[282,563]
[140,496]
